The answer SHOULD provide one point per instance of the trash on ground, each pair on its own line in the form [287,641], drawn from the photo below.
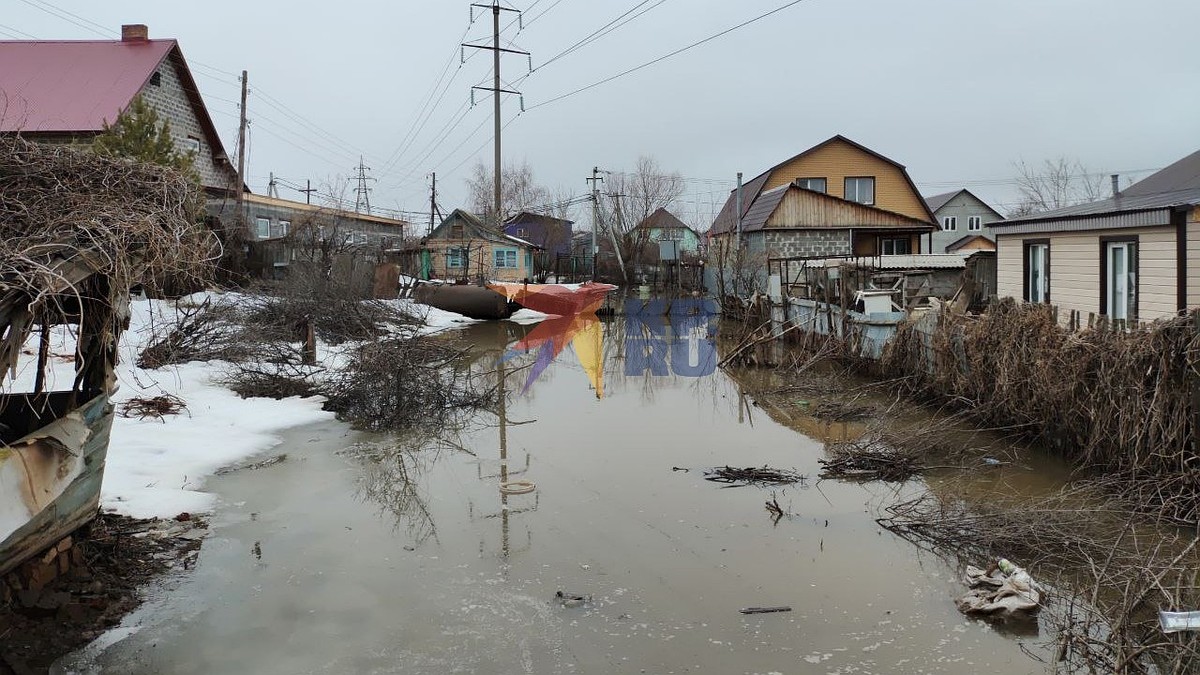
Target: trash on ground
[764,610]
[1173,622]
[1004,590]
[753,476]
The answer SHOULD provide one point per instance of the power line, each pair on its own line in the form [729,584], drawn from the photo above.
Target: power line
[16,33]
[600,32]
[664,57]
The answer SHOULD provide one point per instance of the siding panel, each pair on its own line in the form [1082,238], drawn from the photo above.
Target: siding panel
[836,161]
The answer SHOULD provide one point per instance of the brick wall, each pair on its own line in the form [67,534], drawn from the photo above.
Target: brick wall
[171,102]
[803,243]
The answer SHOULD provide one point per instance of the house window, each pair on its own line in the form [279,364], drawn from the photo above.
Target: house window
[456,258]
[814,184]
[1118,278]
[895,245]
[974,223]
[281,228]
[456,231]
[861,190]
[191,144]
[522,232]
[156,78]
[262,227]
[950,223]
[506,258]
[1037,270]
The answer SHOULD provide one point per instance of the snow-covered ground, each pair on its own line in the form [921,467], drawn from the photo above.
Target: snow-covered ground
[157,468]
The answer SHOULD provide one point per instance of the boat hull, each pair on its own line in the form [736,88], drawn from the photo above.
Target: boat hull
[50,478]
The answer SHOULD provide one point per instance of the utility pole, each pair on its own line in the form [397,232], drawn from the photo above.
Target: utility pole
[435,213]
[495,48]
[241,175]
[612,234]
[595,180]
[272,190]
[308,190]
[362,193]
[737,213]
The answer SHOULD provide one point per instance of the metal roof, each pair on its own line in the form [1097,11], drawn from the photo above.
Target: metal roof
[725,220]
[1175,185]
[1100,221]
[938,201]
[663,219]
[72,86]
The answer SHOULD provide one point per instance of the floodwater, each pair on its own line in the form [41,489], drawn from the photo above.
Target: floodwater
[375,554]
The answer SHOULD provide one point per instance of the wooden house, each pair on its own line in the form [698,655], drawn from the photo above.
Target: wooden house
[1132,257]
[837,198]
[463,248]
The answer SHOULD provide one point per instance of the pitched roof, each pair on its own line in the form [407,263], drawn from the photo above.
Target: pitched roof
[531,217]
[725,220]
[73,86]
[959,243]
[938,201]
[842,213]
[474,228]
[1174,185]
[663,219]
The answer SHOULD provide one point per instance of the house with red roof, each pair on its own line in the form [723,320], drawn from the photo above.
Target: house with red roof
[64,91]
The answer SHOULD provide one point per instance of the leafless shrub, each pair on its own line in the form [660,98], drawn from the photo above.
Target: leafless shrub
[336,309]
[399,382]
[1108,575]
[1114,401]
[206,331]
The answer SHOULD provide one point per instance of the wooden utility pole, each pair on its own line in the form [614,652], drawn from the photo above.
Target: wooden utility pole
[308,190]
[241,175]
[434,212]
[495,48]
[595,181]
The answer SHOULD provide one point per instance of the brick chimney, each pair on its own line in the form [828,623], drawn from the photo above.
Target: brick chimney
[135,32]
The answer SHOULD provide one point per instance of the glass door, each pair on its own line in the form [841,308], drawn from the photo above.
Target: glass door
[1121,282]
[1039,288]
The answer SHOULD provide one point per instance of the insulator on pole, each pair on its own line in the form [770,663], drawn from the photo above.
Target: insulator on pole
[522,103]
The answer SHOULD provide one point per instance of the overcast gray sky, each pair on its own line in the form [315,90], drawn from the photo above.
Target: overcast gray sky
[957,90]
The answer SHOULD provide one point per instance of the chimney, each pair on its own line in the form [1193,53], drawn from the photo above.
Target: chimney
[1116,185]
[135,32]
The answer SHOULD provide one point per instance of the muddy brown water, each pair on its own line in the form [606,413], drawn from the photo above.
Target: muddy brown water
[361,554]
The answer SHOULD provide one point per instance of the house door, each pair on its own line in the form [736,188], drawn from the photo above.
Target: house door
[1121,281]
[1037,267]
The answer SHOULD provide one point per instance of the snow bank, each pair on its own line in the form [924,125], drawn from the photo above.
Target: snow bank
[157,468]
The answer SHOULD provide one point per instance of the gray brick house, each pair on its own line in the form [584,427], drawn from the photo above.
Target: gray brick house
[65,91]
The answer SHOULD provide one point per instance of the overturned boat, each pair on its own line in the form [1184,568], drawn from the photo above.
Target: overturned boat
[474,302]
[556,299]
[77,230]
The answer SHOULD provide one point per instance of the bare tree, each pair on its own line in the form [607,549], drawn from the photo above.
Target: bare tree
[634,196]
[518,192]
[1056,183]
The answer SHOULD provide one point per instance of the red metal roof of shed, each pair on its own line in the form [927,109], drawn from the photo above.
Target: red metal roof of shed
[72,85]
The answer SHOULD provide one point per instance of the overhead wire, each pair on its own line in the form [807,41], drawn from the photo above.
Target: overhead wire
[666,56]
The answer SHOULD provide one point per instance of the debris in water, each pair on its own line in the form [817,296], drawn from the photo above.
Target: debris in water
[764,610]
[753,476]
[867,460]
[572,599]
[253,465]
[1003,591]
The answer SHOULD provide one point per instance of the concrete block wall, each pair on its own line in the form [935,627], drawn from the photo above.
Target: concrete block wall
[171,102]
[807,243]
